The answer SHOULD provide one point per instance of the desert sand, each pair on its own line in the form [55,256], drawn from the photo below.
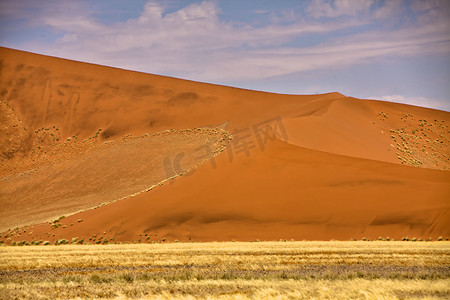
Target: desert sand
[105,147]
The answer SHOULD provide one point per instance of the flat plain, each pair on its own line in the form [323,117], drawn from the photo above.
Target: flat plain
[283,270]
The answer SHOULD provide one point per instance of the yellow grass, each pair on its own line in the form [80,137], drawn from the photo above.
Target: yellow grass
[295,270]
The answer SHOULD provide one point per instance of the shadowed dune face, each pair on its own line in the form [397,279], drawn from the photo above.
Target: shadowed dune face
[303,167]
[104,173]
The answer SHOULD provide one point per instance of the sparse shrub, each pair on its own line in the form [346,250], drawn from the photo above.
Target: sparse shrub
[97,279]
[127,278]
[61,242]
[56,225]
[59,219]
[145,277]
[46,243]
[228,276]
[440,238]
[67,279]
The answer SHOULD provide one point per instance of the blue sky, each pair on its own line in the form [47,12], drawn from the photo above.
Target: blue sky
[395,50]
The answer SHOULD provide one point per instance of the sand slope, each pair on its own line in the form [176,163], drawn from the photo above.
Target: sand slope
[303,167]
[105,173]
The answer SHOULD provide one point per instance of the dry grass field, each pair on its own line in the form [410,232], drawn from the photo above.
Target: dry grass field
[283,270]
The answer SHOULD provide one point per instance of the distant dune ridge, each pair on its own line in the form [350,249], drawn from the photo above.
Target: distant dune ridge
[193,161]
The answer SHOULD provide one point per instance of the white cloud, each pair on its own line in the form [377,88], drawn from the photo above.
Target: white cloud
[336,8]
[190,42]
[418,101]
[193,42]
[261,11]
[426,5]
[389,9]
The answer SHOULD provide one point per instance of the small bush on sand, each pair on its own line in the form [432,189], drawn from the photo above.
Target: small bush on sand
[61,242]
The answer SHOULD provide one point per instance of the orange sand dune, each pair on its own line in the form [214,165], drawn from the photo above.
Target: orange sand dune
[284,192]
[303,167]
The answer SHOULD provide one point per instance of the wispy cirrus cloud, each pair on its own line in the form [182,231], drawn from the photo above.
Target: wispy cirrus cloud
[322,8]
[194,38]
[184,38]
